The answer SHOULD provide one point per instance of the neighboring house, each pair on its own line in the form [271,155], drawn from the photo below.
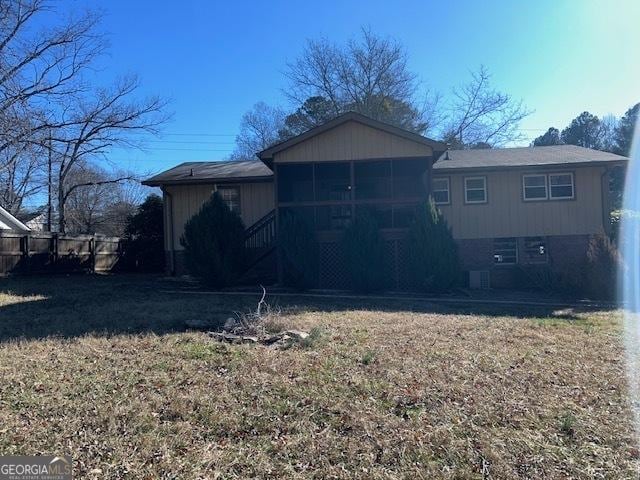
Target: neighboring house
[10,223]
[35,220]
[506,207]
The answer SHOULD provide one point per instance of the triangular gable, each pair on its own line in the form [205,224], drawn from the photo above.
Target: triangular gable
[349,137]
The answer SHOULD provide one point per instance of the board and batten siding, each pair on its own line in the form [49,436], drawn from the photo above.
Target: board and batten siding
[506,214]
[256,200]
[352,141]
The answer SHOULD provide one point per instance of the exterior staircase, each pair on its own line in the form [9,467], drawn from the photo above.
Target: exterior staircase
[260,244]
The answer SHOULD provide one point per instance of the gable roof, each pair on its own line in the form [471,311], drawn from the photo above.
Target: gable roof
[219,172]
[9,222]
[267,154]
[523,157]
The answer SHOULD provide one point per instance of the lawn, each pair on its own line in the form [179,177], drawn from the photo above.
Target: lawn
[102,368]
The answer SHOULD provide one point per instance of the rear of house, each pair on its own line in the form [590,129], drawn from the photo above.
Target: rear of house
[508,208]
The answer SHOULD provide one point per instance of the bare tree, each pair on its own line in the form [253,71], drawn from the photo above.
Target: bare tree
[40,67]
[482,115]
[259,128]
[368,75]
[23,177]
[97,122]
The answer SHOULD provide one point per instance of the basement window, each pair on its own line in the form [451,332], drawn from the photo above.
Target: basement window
[534,187]
[505,251]
[535,250]
[231,196]
[440,191]
[561,186]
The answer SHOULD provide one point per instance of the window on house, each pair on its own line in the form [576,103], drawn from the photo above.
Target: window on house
[475,190]
[440,191]
[534,187]
[561,186]
[295,183]
[333,181]
[505,251]
[372,179]
[231,196]
[535,250]
[409,177]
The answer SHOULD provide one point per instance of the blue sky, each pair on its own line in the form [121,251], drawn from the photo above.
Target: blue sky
[215,59]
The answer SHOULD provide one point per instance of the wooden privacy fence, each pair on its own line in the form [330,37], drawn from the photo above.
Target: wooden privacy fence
[50,253]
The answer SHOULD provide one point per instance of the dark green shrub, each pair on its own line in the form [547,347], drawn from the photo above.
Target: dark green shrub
[145,237]
[433,264]
[298,252]
[601,269]
[213,244]
[364,254]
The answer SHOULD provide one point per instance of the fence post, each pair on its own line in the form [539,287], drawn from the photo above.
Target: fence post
[92,252]
[54,238]
[25,253]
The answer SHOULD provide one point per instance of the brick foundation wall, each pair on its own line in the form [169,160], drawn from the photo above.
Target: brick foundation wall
[565,252]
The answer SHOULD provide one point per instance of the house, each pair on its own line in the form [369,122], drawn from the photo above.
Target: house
[36,220]
[10,223]
[507,207]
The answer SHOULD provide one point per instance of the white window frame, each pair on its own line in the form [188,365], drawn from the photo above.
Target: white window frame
[448,190]
[466,190]
[231,187]
[524,187]
[573,186]
[516,255]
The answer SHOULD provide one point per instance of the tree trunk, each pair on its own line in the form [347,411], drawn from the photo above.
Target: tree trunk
[61,219]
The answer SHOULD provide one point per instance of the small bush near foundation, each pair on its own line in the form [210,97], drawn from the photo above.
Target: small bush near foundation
[433,255]
[298,252]
[213,244]
[364,254]
[601,268]
[594,277]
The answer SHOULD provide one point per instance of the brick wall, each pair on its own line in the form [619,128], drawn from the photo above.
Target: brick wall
[565,252]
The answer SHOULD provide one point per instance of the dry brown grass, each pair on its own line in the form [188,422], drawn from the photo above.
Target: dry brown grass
[378,394]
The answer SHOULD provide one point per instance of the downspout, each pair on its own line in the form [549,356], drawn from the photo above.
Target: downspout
[605,192]
[170,244]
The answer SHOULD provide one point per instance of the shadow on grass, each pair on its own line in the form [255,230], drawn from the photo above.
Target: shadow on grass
[69,306]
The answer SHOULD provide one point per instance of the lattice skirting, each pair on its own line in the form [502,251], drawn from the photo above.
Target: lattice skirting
[333,273]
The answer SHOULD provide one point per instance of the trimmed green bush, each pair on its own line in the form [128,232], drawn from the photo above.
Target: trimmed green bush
[433,254]
[213,244]
[298,252]
[364,254]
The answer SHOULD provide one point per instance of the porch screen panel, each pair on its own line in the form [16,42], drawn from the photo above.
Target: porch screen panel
[333,181]
[372,180]
[295,183]
[409,178]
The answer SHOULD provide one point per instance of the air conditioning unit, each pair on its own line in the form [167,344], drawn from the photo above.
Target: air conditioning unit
[479,279]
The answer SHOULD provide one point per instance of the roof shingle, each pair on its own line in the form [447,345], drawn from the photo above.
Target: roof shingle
[523,157]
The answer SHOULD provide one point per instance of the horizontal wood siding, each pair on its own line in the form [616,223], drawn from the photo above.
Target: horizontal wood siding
[352,141]
[256,200]
[506,214]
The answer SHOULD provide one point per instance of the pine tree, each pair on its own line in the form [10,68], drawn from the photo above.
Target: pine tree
[298,252]
[365,255]
[213,244]
[433,254]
